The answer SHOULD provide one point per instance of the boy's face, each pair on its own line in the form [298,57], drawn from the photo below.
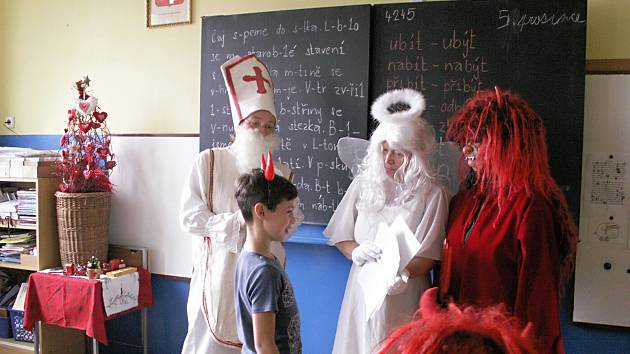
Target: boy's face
[278,222]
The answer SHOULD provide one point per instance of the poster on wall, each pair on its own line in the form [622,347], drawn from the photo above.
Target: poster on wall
[167,12]
[605,199]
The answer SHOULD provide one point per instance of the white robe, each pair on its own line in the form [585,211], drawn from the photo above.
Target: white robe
[213,266]
[426,215]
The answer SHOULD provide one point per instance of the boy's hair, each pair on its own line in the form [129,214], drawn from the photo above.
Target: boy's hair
[253,188]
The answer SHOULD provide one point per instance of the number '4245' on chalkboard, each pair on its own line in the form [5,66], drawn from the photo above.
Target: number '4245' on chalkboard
[400,14]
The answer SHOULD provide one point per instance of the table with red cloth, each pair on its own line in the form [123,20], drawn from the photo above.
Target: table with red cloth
[75,302]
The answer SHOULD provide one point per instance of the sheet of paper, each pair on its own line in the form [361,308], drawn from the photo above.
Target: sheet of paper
[374,277]
[408,244]
[605,206]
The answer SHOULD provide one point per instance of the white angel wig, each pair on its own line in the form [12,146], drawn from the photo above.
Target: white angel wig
[403,128]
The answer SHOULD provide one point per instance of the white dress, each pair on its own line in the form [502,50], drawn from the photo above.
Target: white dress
[426,216]
[216,241]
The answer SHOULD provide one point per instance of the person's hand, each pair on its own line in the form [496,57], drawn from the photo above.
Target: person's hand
[399,285]
[366,252]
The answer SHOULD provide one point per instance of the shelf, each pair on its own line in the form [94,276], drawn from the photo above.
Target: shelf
[12,343]
[20,227]
[17,266]
[18,179]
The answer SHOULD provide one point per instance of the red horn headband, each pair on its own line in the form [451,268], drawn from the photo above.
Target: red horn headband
[268,169]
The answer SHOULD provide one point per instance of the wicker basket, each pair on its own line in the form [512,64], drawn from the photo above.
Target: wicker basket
[82,222]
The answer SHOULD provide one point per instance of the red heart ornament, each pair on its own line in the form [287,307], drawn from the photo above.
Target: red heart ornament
[85,127]
[103,152]
[71,114]
[84,105]
[100,116]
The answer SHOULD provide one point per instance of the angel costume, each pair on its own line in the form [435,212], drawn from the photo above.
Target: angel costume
[426,216]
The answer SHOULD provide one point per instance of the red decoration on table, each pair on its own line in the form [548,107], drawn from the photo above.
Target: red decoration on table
[114,263]
[80,269]
[68,269]
[105,267]
[93,273]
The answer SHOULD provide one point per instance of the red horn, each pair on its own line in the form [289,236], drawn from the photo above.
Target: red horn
[428,303]
[263,163]
[497,90]
[270,172]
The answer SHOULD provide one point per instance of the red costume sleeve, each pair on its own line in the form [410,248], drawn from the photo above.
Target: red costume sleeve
[537,298]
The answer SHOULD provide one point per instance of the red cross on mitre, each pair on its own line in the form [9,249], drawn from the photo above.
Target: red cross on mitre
[249,85]
[259,78]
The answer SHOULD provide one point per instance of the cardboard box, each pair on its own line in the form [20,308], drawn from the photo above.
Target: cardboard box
[28,260]
[31,167]
[37,168]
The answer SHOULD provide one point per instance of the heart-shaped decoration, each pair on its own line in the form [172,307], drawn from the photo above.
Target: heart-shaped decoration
[102,152]
[100,116]
[87,174]
[86,106]
[85,127]
[71,114]
[110,164]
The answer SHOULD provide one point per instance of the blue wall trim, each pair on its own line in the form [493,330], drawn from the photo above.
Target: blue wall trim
[318,273]
[38,142]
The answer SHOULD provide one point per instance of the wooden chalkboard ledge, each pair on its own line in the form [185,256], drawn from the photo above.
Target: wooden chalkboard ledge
[607,66]
[309,234]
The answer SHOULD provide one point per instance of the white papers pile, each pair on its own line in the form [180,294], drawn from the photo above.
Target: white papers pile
[399,246]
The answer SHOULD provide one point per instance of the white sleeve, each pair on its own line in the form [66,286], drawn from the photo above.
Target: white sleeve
[341,225]
[432,227]
[194,215]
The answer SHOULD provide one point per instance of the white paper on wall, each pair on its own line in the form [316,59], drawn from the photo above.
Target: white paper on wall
[605,201]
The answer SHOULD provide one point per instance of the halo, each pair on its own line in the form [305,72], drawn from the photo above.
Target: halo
[398,106]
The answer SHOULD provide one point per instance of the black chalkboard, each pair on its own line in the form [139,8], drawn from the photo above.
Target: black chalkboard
[319,63]
[450,49]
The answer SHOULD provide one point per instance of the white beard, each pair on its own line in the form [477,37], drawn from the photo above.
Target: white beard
[249,145]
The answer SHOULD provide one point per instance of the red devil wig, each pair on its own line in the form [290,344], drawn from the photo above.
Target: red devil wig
[512,158]
[453,330]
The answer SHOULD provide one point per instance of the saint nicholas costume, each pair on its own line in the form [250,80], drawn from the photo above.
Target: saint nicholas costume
[210,213]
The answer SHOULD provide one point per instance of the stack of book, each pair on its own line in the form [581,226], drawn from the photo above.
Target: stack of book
[8,205]
[13,245]
[27,206]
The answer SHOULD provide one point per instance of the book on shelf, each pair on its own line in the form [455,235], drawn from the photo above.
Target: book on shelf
[9,296]
[21,298]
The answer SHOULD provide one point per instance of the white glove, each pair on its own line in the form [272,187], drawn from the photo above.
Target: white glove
[366,252]
[399,285]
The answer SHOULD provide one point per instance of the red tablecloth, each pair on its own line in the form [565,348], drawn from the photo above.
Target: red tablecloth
[74,302]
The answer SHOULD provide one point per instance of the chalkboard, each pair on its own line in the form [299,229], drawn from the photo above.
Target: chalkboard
[319,63]
[450,49]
